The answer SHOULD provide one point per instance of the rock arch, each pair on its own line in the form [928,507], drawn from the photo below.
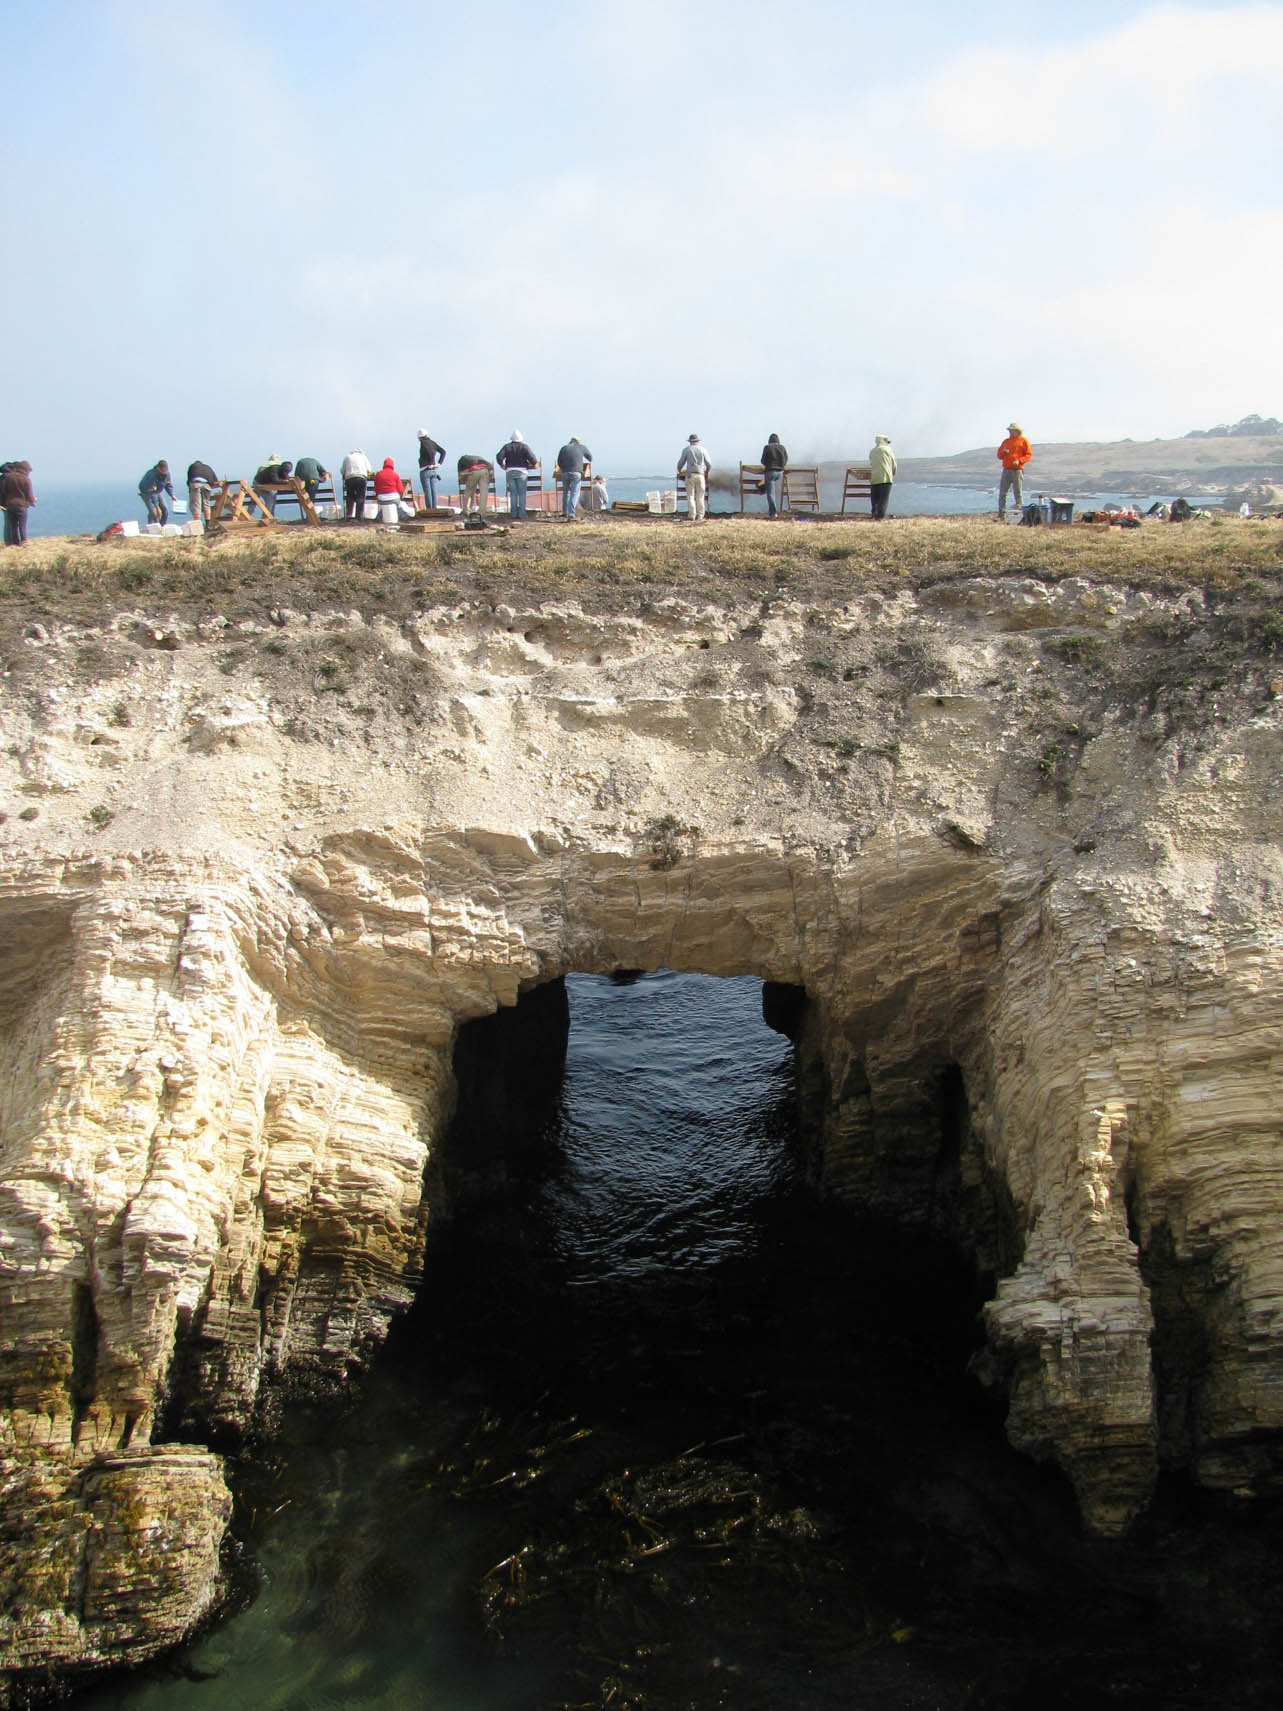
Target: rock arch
[233,1087]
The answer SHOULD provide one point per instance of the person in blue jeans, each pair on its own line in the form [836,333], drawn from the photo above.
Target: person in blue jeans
[152,489]
[16,495]
[573,462]
[516,459]
[775,459]
[431,457]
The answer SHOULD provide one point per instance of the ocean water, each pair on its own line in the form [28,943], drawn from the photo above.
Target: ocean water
[81,508]
[663,1431]
[85,508]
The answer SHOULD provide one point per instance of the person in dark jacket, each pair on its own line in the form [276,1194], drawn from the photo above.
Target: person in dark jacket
[200,480]
[775,459]
[268,478]
[152,489]
[431,458]
[573,462]
[16,495]
[516,459]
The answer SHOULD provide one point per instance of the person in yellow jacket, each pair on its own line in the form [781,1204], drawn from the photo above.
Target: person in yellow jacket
[1013,454]
[881,475]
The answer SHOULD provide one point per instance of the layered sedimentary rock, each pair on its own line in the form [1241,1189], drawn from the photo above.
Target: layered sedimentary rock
[1031,888]
[107,1561]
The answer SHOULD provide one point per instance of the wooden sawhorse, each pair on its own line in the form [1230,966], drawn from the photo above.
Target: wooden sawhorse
[235,501]
[292,492]
[752,480]
[801,488]
[855,485]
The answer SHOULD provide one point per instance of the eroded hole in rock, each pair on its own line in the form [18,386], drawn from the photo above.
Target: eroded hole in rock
[675,1163]
[1186,1298]
[666,1425]
[508,1068]
[84,1350]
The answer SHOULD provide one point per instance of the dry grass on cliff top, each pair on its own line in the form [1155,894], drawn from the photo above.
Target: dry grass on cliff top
[615,563]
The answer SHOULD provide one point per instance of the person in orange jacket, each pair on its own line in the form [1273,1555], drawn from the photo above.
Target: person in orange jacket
[1013,454]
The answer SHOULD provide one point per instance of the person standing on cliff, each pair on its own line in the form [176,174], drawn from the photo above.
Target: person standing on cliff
[696,465]
[881,474]
[201,482]
[152,489]
[431,457]
[775,460]
[16,495]
[356,471]
[311,472]
[475,477]
[516,459]
[1013,454]
[573,462]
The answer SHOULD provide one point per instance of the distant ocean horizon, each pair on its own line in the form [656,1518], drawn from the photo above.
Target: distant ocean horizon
[85,508]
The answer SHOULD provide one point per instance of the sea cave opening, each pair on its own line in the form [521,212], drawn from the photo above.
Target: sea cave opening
[632,1213]
[668,1424]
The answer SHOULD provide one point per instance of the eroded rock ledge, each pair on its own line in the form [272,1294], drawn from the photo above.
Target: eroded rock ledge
[1019,844]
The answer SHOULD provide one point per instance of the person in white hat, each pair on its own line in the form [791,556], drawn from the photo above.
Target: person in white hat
[516,459]
[1013,454]
[881,475]
[431,457]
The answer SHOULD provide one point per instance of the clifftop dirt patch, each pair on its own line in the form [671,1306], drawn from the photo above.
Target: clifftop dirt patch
[612,565]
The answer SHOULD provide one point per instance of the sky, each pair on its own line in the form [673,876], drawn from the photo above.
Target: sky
[235,230]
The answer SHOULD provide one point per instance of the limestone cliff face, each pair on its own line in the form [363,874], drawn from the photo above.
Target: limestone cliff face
[1021,853]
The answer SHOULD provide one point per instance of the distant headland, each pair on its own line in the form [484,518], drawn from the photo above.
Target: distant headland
[1243,460]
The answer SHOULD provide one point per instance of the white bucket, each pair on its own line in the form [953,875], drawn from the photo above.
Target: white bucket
[129,527]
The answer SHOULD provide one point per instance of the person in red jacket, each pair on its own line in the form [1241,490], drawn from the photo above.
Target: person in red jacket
[387,490]
[1013,454]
